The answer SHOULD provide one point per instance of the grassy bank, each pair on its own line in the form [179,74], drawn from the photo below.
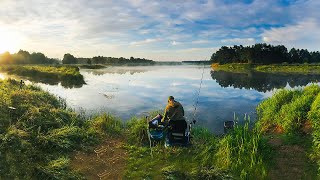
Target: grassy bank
[295,114]
[279,68]
[39,133]
[69,76]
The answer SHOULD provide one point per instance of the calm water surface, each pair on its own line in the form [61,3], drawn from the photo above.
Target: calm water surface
[132,91]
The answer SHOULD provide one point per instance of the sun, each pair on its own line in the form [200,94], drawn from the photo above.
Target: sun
[9,41]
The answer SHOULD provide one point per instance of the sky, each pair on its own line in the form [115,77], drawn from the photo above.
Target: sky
[162,30]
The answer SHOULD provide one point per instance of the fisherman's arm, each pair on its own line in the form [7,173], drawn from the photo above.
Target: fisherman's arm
[165,115]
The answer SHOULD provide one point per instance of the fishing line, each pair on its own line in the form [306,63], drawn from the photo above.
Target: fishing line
[198,95]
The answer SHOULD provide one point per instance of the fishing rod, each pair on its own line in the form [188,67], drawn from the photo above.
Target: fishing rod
[198,95]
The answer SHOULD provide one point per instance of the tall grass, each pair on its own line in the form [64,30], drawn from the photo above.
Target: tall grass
[268,109]
[287,109]
[241,151]
[236,155]
[314,116]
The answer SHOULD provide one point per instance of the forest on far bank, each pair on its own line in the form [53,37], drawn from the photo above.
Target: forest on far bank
[25,57]
[264,54]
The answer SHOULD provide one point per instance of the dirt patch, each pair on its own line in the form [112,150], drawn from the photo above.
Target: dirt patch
[107,161]
[276,129]
[307,127]
[291,161]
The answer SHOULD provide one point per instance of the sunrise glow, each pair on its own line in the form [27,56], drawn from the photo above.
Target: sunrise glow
[9,41]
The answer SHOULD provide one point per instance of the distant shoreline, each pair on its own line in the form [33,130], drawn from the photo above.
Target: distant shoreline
[273,68]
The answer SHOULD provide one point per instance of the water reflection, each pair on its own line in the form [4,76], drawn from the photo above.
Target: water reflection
[262,81]
[118,70]
[131,91]
[65,82]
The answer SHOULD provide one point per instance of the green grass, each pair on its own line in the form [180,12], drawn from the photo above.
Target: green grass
[302,68]
[314,116]
[287,109]
[239,154]
[38,136]
[69,76]
[290,110]
[278,68]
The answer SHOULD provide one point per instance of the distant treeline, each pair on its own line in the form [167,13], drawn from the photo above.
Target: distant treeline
[197,62]
[112,60]
[264,54]
[24,57]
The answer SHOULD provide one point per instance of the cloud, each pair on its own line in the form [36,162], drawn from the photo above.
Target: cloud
[244,41]
[304,34]
[141,27]
[175,43]
[200,42]
[145,42]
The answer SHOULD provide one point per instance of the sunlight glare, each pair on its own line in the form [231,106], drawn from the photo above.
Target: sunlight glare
[9,41]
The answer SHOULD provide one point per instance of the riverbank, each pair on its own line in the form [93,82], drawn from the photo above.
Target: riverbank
[41,138]
[38,132]
[279,68]
[68,76]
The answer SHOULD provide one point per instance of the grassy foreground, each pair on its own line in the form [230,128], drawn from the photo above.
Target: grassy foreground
[279,68]
[68,75]
[37,137]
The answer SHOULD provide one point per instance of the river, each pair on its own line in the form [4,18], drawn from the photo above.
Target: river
[127,91]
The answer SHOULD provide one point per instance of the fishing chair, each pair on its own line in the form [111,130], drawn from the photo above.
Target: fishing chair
[177,132]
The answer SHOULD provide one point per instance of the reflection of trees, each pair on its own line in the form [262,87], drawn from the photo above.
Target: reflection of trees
[262,81]
[67,82]
[117,71]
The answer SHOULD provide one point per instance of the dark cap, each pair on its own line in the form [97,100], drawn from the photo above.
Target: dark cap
[170,98]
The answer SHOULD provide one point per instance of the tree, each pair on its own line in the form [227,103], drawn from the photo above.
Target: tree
[6,58]
[38,58]
[69,59]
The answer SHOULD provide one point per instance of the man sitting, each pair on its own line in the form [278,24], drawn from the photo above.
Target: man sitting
[174,116]
[173,111]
